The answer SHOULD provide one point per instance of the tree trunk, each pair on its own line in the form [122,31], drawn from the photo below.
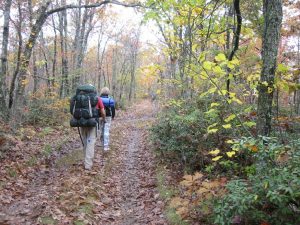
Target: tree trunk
[272,11]
[236,37]
[65,61]
[35,77]
[86,27]
[20,43]
[46,66]
[25,58]
[64,88]
[3,65]
[54,53]
[297,92]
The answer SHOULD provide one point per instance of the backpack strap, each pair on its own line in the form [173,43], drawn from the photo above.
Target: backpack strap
[90,107]
[74,107]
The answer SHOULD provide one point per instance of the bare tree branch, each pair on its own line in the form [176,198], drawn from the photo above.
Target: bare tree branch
[98,4]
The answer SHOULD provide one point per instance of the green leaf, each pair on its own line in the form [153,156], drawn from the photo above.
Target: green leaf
[214,152]
[249,124]
[201,57]
[282,68]
[212,131]
[230,65]
[235,62]
[212,90]
[207,65]
[220,57]
[214,104]
[216,158]
[229,118]
[230,154]
[212,125]
[210,111]
[218,70]
[227,126]
[203,75]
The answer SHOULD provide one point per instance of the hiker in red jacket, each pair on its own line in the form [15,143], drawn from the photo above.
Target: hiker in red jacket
[86,108]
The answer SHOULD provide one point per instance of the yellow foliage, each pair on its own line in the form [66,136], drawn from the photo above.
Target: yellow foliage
[220,57]
[229,118]
[229,141]
[227,126]
[212,131]
[214,152]
[207,65]
[216,158]
[230,154]
[214,104]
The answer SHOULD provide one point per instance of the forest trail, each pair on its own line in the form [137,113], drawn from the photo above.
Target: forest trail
[120,189]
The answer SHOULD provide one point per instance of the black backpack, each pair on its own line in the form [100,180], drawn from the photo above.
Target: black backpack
[83,107]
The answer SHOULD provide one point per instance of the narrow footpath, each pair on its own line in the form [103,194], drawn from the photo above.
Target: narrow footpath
[119,190]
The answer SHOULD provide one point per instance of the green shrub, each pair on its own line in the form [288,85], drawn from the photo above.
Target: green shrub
[47,110]
[272,191]
[180,133]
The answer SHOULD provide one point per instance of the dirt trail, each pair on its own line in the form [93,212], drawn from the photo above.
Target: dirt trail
[119,190]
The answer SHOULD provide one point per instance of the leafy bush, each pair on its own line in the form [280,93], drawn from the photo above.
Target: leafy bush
[271,193]
[46,109]
[181,132]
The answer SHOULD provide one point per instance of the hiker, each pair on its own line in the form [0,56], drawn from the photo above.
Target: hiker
[109,105]
[86,107]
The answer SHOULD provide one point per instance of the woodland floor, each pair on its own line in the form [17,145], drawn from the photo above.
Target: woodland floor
[42,180]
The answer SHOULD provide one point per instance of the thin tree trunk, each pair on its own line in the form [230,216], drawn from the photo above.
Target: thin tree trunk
[3,65]
[35,77]
[25,58]
[54,52]
[297,92]
[46,66]
[64,88]
[236,38]
[272,11]
[65,62]
[20,43]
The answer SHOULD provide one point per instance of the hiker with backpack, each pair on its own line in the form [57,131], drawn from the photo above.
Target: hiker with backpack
[87,107]
[109,105]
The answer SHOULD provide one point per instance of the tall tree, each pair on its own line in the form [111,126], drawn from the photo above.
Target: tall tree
[3,64]
[272,12]
[18,58]
[42,14]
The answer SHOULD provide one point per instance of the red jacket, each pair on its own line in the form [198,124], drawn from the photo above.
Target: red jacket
[100,104]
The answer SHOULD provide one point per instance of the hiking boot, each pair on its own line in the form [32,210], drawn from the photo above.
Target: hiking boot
[106,148]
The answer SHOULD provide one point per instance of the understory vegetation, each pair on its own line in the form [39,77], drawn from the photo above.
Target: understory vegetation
[262,173]
[230,109]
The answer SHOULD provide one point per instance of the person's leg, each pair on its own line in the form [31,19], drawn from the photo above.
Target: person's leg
[101,131]
[83,133]
[106,133]
[90,147]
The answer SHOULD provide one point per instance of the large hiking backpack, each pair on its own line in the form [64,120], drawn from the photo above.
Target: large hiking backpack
[83,107]
[108,102]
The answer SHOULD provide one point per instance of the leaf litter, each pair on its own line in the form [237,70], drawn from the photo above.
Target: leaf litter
[42,180]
